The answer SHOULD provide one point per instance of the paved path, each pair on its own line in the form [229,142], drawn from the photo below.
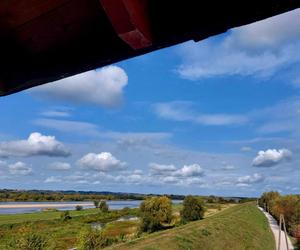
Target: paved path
[275,229]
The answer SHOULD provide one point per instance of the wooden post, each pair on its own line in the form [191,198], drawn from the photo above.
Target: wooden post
[279,239]
[285,233]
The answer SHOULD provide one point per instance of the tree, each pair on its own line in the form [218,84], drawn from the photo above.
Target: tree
[193,209]
[103,206]
[155,213]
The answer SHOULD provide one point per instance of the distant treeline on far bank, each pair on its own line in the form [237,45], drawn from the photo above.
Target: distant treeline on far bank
[10,195]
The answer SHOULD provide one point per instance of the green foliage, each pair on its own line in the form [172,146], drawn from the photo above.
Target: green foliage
[28,240]
[193,209]
[90,239]
[65,215]
[103,207]
[78,208]
[96,204]
[155,212]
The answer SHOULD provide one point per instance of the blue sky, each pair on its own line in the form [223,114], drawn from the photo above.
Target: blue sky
[220,116]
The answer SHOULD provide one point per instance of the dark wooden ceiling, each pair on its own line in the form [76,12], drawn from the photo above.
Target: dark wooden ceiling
[43,41]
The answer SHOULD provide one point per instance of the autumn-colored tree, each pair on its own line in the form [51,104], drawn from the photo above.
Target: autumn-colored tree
[155,213]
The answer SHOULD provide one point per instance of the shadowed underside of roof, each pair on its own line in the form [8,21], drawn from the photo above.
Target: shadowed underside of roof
[43,41]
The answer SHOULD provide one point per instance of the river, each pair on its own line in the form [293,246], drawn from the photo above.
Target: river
[30,207]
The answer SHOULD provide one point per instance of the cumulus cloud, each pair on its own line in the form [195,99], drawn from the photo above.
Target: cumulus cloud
[271,157]
[60,166]
[19,168]
[250,179]
[189,171]
[161,169]
[103,87]
[183,112]
[36,144]
[169,174]
[261,49]
[103,162]
[53,179]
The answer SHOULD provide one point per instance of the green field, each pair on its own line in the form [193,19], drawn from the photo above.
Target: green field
[38,216]
[239,227]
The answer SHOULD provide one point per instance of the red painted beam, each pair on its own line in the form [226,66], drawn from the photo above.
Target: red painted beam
[130,21]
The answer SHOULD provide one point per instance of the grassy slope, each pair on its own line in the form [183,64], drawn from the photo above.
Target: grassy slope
[20,218]
[239,227]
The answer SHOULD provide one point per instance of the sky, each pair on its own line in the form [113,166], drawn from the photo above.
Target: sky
[216,117]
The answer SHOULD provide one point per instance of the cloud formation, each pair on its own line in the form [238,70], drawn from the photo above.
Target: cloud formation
[183,112]
[258,49]
[103,87]
[60,166]
[36,144]
[250,179]
[271,157]
[19,168]
[103,162]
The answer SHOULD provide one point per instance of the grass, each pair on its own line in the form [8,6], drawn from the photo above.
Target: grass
[63,233]
[39,216]
[238,227]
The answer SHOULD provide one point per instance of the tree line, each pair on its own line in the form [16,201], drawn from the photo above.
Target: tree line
[288,206]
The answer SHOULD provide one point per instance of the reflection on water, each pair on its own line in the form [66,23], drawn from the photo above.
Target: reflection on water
[117,204]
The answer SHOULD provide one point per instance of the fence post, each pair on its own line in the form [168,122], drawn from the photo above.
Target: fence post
[285,233]
[280,224]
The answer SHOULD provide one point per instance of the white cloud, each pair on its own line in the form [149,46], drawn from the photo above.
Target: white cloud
[56,113]
[19,168]
[36,144]
[161,169]
[67,126]
[53,179]
[250,179]
[189,171]
[246,149]
[271,157]
[102,87]
[259,49]
[182,111]
[60,166]
[103,162]
[228,167]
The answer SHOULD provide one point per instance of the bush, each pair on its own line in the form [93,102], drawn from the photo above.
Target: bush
[78,208]
[90,239]
[103,206]
[193,209]
[65,215]
[96,204]
[29,241]
[155,213]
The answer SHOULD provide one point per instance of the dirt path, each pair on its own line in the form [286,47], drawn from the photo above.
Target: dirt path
[275,229]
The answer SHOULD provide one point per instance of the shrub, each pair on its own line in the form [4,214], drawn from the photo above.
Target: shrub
[103,206]
[90,239]
[155,212]
[78,208]
[65,215]
[29,241]
[193,209]
[96,204]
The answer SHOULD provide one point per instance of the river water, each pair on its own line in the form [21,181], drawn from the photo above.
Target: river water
[68,205]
